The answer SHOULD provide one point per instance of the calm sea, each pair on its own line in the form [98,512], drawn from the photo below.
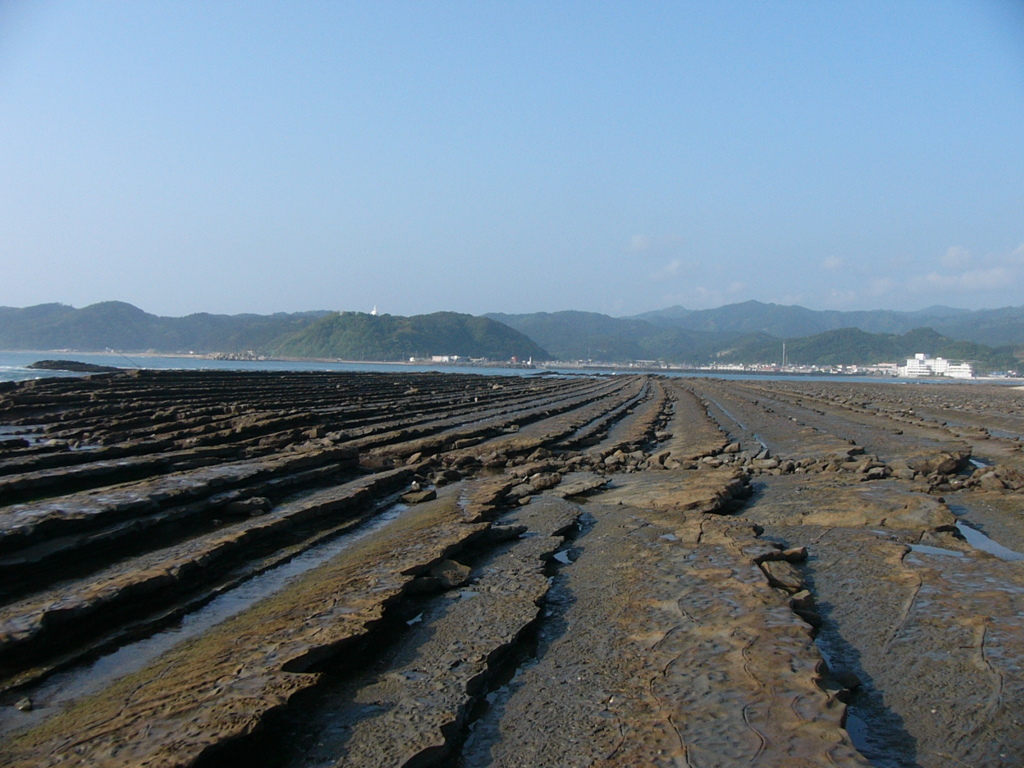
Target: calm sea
[14,367]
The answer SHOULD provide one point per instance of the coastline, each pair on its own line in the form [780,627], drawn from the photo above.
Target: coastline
[14,367]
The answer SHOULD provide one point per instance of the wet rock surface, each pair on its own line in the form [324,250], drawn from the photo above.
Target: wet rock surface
[217,568]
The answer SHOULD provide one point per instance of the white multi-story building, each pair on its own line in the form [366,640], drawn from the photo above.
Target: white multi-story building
[925,365]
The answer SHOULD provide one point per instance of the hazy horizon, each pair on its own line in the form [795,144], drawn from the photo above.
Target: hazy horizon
[381,311]
[477,157]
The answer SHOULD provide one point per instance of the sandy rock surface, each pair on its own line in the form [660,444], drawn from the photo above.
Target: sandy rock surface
[298,570]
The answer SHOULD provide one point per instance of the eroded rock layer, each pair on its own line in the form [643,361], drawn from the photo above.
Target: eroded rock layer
[285,569]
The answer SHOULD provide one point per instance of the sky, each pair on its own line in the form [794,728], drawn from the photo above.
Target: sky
[614,157]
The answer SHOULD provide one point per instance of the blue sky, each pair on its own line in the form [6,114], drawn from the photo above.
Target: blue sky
[511,157]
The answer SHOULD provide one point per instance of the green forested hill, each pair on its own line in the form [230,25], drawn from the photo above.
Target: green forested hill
[126,328]
[565,335]
[348,335]
[587,335]
[853,346]
[592,336]
[360,336]
[994,327]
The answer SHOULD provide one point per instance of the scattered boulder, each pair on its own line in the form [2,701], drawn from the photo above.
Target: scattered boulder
[795,554]
[418,497]
[990,482]
[450,573]
[494,460]
[783,575]
[943,463]
[614,460]
[544,480]
[657,461]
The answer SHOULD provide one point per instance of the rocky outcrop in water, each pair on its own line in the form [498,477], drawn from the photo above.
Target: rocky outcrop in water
[73,366]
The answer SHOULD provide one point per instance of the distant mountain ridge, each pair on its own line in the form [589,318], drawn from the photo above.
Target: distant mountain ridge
[573,335]
[852,346]
[349,335]
[994,327]
[124,327]
[752,332]
[749,332]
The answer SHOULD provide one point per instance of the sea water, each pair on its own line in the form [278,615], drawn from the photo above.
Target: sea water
[14,365]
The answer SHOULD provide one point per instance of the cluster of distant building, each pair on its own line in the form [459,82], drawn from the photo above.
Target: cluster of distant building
[924,366]
[484,362]
[919,366]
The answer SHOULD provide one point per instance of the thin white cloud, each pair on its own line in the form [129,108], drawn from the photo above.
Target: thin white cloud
[956,257]
[673,268]
[704,292]
[972,280]
[656,246]
[639,243]
[832,263]
[843,298]
[882,286]
[963,273]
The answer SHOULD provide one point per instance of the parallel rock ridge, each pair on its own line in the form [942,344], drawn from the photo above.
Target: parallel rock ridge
[307,569]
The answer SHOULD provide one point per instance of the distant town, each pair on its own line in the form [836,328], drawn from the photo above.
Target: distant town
[748,338]
[920,366]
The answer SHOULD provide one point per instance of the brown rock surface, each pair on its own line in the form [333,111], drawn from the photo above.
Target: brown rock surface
[666,655]
[720,491]
[725,540]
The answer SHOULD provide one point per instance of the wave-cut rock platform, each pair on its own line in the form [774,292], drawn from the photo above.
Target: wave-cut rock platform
[314,569]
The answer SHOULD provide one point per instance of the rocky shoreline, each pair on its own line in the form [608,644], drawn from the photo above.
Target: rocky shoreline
[72,366]
[448,569]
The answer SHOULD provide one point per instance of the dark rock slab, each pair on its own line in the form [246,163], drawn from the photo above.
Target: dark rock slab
[72,365]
